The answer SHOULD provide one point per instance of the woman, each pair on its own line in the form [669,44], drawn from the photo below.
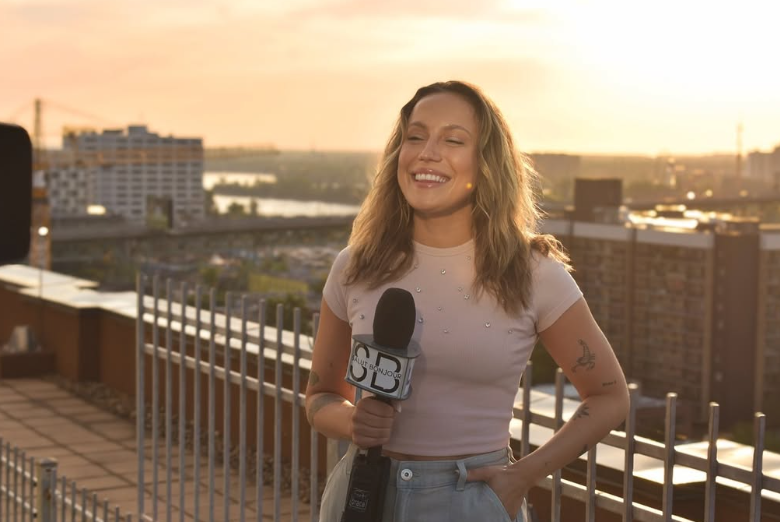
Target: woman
[451,218]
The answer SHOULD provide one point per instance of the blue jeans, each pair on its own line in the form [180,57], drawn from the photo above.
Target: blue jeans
[427,491]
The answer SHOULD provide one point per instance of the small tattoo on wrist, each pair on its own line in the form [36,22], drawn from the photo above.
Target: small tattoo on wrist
[610,383]
[582,411]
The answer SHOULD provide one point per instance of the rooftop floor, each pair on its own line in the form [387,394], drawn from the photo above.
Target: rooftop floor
[96,449]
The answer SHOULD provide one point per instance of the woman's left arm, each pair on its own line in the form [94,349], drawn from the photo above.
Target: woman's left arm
[579,347]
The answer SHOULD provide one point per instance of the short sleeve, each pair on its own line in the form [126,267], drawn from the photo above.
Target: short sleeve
[335,291]
[554,291]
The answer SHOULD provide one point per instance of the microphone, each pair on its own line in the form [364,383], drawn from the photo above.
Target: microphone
[382,364]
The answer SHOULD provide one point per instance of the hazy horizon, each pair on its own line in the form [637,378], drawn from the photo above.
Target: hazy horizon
[600,77]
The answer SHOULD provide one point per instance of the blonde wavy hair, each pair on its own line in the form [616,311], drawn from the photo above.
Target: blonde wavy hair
[504,211]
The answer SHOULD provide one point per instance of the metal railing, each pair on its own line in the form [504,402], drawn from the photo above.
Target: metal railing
[29,492]
[203,336]
[668,452]
[206,335]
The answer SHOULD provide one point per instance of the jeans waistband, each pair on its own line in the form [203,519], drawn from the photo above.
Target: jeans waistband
[418,474]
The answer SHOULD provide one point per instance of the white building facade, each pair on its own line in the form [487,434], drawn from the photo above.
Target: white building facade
[124,168]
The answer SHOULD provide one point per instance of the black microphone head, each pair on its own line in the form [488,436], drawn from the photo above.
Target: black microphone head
[394,319]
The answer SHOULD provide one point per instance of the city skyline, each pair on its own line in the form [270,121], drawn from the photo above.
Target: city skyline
[581,77]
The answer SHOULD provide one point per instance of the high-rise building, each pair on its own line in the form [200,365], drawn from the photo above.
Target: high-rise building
[689,311]
[68,189]
[764,166]
[124,168]
[689,304]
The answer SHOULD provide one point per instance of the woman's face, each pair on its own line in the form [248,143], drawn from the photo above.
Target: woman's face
[438,160]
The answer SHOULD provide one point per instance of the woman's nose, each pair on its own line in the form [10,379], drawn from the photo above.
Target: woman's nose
[431,151]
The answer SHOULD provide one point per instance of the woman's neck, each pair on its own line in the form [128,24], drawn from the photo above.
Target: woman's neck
[443,231]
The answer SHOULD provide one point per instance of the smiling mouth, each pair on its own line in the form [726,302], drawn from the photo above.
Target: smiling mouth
[429,178]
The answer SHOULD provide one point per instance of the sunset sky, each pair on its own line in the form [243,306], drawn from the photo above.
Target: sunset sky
[587,77]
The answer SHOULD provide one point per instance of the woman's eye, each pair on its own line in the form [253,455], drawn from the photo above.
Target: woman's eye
[454,141]
[414,138]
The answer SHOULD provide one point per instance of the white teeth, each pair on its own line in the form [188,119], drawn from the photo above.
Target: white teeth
[430,177]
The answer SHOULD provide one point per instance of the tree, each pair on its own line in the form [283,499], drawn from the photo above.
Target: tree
[236,209]
[289,302]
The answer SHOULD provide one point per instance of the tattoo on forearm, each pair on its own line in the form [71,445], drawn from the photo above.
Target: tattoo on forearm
[320,402]
[582,411]
[587,360]
[610,383]
[313,378]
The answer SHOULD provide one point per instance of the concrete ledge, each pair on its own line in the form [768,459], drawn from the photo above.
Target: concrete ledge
[28,364]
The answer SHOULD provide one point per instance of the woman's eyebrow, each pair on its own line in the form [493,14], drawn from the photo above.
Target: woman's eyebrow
[450,126]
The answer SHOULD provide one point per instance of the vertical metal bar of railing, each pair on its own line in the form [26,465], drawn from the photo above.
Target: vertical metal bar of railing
[155,400]
[525,443]
[117,515]
[590,500]
[628,455]
[140,386]
[296,429]
[83,504]
[16,483]
[242,415]
[226,408]
[712,463]
[669,453]
[23,507]
[2,487]
[73,494]
[62,496]
[278,415]
[314,490]
[105,511]
[94,507]
[560,382]
[168,400]
[7,480]
[759,425]
[196,407]
[212,400]
[31,501]
[3,467]
[260,413]
[182,399]
[52,493]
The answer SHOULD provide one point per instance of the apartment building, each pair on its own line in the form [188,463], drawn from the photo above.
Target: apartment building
[692,310]
[68,189]
[126,167]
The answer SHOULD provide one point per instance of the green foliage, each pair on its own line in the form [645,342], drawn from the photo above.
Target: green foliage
[236,209]
[263,284]
[289,302]
[275,264]
[209,275]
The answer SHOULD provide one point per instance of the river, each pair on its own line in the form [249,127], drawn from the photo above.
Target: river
[271,206]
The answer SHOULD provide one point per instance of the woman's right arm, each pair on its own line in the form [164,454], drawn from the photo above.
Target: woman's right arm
[328,405]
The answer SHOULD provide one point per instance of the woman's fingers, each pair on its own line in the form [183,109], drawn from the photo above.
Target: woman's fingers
[372,422]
